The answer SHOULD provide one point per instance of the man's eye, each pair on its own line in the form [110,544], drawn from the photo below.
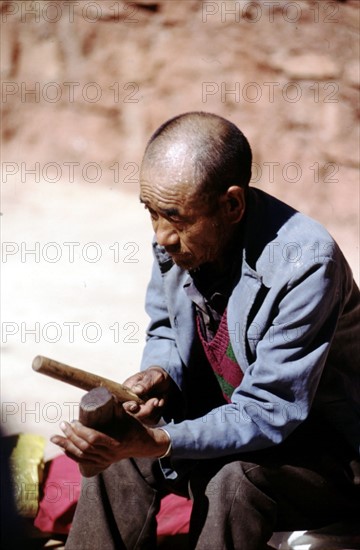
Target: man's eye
[178,224]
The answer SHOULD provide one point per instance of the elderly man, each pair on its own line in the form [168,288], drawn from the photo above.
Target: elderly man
[251,362]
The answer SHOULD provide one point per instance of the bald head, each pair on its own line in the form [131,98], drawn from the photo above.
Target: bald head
[203,150]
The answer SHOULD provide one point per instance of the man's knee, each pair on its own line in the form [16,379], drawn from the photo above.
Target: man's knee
[228,504]
[227,481]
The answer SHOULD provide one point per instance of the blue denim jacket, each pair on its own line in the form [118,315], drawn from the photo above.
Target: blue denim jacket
[294,324]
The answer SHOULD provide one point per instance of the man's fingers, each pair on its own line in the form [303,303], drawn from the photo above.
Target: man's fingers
[58,440]
[84,439]
[148,407]
[131,407]
[135,383]
[145,382]
[142,384]
[75,454]
[85,445]
[68,447]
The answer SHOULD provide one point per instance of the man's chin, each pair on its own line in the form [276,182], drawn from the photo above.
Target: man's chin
[185,261]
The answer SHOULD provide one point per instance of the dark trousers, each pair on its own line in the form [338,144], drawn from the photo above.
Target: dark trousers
[239,501]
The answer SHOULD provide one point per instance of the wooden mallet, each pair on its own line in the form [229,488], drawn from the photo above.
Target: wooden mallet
[97,405]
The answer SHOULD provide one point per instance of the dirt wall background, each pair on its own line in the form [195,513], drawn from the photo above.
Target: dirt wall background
[84,84]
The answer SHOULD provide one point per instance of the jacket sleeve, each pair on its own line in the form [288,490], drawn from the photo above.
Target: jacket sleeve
[278,387]
[160,348]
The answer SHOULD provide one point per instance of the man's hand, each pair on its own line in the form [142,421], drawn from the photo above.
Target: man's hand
[95,451]
[154,386]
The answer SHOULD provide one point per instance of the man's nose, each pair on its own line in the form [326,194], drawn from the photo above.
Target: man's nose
[166,235]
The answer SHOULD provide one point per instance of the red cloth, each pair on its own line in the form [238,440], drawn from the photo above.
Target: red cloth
[174,515]
[61,491]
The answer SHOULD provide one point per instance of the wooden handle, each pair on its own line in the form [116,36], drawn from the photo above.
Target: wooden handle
[82,379]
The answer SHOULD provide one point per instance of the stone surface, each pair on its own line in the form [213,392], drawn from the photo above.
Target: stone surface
[308,67]
[352,73]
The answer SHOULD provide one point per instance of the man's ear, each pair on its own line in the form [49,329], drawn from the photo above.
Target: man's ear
[234,203]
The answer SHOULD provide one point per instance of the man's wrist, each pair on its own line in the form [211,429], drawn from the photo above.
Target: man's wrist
[165,441]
